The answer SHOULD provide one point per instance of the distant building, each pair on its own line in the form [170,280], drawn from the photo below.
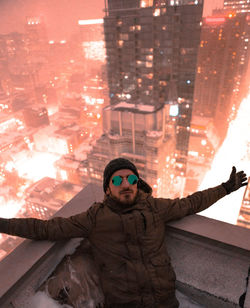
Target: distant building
[36,38]
[244,214]
[47,196]
[221,84]
[92,39]
[72,169]
[62,140]
[142,134]
[203,144]
[36,116]
[91,30]
[222,70]
[12,49]
[237,6]
[150,45]
[5,102]
[10,123]
[151,49]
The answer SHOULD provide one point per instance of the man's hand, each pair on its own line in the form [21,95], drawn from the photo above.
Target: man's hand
[236,181]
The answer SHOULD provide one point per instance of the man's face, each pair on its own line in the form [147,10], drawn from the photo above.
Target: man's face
[124,193]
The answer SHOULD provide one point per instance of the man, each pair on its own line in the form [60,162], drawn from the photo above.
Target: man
[127,234]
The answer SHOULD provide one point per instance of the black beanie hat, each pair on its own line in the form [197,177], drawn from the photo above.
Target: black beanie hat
[113,166]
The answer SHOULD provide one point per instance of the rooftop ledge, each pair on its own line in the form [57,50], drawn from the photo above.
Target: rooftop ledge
[211,260]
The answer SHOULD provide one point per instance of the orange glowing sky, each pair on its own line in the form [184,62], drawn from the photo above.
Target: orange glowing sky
[60,15]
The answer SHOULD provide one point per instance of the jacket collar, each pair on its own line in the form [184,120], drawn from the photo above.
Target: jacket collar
[120,208]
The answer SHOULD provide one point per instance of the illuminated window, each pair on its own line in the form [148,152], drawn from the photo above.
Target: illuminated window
[146,3]
[64,175]
[149,57]
[157,12]
[120,43]
[150,76]
[162,83]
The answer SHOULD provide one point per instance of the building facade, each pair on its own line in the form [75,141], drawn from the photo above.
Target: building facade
[239,6]
[244,214]
[151,49]
[222,70]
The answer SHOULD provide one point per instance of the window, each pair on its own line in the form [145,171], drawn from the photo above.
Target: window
[124,36]
[146,3]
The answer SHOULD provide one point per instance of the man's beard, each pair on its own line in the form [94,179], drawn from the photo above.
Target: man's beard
[128,201]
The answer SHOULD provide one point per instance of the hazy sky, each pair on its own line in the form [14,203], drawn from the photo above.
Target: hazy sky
[60,15]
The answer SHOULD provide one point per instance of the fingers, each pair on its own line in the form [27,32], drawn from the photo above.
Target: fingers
[233,172]
[241,178]
[242,175]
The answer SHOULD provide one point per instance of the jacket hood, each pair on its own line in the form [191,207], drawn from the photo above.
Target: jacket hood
[142,185]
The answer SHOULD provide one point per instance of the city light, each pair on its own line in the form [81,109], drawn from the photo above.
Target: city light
[174,110]
[10,208]
[94,50]
[37,166]
[215,19]
[90,22]
[235,151]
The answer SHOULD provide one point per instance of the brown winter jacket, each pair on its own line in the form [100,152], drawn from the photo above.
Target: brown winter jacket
[128,243]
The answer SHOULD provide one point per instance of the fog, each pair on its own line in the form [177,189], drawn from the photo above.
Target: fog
[60,16]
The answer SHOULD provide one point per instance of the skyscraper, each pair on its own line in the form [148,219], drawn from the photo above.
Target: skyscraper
[36,38]
[242,6]
[151,49]
[221,81]
[149,44]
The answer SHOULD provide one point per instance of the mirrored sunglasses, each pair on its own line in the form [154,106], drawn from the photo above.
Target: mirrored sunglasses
[132,179]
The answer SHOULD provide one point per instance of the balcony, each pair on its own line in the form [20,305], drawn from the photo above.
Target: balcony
[211,260]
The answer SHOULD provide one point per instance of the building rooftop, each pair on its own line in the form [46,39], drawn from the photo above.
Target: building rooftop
[137,108]
[210,258]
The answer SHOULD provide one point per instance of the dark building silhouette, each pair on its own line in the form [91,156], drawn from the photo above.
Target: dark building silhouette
[36,37]
[241,6]
[222,71]
[36,116]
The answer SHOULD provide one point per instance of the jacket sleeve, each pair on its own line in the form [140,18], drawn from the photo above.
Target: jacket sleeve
[197,202]
[54,229]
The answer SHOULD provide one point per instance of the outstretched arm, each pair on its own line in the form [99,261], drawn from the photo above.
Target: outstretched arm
[201,200]
[54,229]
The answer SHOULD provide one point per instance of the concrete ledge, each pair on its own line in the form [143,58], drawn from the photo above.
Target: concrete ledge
[211,260]
[221,232]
